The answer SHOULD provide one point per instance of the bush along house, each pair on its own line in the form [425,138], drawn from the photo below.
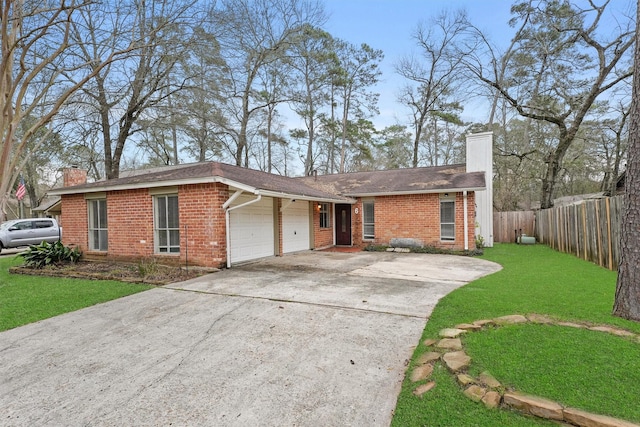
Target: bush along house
[216,215]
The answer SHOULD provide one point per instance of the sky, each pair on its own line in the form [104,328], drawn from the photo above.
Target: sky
[388,24]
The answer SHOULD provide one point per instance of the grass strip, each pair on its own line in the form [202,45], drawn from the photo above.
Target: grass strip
[26,299]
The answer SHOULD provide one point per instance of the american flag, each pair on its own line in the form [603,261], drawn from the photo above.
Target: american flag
[21,190]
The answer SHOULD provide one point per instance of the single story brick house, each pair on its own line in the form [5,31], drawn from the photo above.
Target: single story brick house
[214,214]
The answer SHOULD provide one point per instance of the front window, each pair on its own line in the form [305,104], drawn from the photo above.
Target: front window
[325,218]
[98,225]
[368,220]
[167,227]
[447,220]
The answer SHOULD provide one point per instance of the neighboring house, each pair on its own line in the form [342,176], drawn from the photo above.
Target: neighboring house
[214,214]
[49,208]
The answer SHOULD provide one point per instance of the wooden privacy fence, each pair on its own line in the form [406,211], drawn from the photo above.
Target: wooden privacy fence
[590,230]
[505,224]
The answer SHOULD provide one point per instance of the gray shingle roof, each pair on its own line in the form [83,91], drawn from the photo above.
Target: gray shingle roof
[204,172]
[339,187]
[404,181]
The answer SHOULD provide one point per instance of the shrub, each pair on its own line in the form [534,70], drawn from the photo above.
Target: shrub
[147,267]
[375,248]
[428,250]
[44,254]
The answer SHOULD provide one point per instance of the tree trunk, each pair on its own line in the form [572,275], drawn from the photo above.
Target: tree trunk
[416,144]
[242,136]
[627,299]
[343,144]
[308,163]
[549,182]
[435,142]
[270,110]
[332,143]
[619,154]
[174,134]
[554,164]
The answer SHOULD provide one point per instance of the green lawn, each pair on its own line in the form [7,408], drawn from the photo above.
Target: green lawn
[589,370]
[25,299]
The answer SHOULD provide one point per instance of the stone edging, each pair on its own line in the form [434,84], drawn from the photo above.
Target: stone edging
[486,389]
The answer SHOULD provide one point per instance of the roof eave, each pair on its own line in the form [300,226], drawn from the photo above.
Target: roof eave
[404,193]
[49,207]
[203,180]
[311,198]
[138,185]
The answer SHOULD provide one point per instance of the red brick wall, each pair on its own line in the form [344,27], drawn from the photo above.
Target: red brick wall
[357,226]
[322,237]
[74,221]
[415,216]
[130,225]
[201,211]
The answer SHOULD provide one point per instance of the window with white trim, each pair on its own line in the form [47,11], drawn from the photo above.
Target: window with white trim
[98,234]
[368,220]
[325,217]
[447,219]
[166,224]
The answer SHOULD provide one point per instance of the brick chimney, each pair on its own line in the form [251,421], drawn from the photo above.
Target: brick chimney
[73,176]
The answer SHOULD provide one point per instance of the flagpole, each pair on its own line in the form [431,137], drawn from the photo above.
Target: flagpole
[20,193]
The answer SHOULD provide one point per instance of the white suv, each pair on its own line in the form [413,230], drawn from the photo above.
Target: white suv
[30,231]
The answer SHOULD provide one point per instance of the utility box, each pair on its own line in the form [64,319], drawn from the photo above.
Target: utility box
[526,240]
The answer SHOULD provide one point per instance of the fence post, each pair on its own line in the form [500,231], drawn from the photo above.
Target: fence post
[608,205]
[599,235]
[584,229]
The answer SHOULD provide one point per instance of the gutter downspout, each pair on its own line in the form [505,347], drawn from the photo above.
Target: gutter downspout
[466,220]
[228,209]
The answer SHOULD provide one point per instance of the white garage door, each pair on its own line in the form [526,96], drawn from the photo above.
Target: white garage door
[295,227]
[251,229]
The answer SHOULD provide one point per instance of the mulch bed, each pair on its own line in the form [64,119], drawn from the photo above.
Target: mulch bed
[148,273]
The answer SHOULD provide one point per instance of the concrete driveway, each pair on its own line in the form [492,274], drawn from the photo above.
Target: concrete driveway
[315,338]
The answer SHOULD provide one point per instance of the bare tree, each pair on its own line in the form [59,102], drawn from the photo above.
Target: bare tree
[42,150]
[273,91]
[313,59]
[200,106]
[393,148]
[252,35]
[357,71]
[35,41]
[605,137]
[434,75]
[558,68]
[122,92]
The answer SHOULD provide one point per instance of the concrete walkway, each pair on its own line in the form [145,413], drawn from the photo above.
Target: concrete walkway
[315,338]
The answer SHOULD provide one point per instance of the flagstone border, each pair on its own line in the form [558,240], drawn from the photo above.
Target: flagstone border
[449,350]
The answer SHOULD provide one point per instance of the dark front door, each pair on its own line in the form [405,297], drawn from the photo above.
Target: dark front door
[343,225]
